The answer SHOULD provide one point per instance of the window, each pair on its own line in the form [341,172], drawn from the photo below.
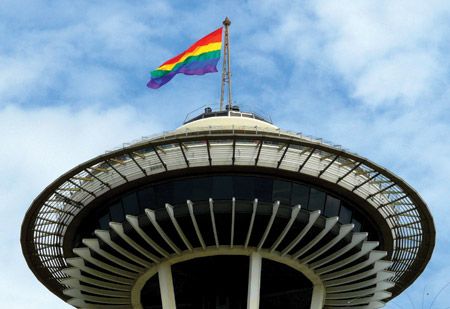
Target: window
[117,212]
[316,200]
[222,187]
[130,204]
[282,191]
[244,188]
[300,195]
[146,197]
[345,215]
[332,206]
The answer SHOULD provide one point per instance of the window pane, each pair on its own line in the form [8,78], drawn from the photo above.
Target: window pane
[130,204]
[345,215]
[117,212]
[332,206]
[263,189]
[201,188]
[146,197]
[282,191]
[222,187]
[104,221]
[300,195]
[243,188]
[164,194]
[182,191]
[316,200]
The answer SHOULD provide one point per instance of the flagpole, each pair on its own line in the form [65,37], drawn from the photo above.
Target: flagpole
[226,68]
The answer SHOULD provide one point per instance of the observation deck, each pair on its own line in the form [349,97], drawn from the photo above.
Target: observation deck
[356,232]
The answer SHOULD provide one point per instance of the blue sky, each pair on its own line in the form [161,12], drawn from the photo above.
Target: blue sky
[372,76]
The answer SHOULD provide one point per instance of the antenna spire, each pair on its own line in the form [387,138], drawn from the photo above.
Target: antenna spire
[226,71]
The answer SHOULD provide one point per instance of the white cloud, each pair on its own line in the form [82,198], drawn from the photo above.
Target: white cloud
[38,145]
[388,51]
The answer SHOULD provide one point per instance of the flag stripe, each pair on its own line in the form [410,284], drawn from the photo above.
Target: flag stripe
[213,37]
[193,68]
[197,51]
[209,55]
[200,58]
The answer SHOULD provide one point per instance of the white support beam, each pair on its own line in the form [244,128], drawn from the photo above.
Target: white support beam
[194,222]
[166,286]
[252,220]
[213,222]
[318,297]
[294,213]
[183,237]
[276,205]
[254,281]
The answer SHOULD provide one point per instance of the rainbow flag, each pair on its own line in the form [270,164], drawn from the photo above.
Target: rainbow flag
[200,58]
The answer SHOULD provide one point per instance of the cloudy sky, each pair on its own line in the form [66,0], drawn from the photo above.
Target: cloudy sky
[372,76]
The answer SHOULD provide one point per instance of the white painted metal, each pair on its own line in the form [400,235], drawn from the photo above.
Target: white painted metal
[276,205]
[194,222]
[85,254]
[294,213]
[329,223]
[233,218]
[135,224]
[252,221]
[166,286]
[94,245]
[356,239]
[180,232]
[343,231]
[318,296]
[79,263]
[118,228]
[213,221]
[106,237]
[345,284]
[254,281]
[151,215]
[313,216]
[349,172]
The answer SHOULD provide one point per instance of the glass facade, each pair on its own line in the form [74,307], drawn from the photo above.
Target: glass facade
[224,188]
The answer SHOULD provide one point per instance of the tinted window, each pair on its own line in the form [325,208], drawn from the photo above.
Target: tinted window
[182,191]
[345,215]
[117,212]
[222,187]
[263,189]
[164,194]
[146,197]
[316,200]
[130,204]
[201,188]
[244,188]
[332,206]
[282,191]
[300,195]
[104,221]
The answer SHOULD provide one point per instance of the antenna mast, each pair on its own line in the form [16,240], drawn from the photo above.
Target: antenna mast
[226,71]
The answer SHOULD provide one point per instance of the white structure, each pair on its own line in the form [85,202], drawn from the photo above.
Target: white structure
[120,230]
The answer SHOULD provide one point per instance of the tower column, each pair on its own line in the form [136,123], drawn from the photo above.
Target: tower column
[254,281]
[318,294]
[166,286]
